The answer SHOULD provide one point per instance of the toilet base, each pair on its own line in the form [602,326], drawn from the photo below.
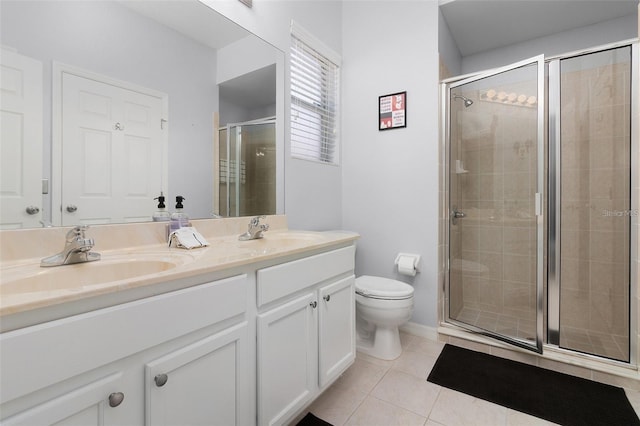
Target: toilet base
[383,343]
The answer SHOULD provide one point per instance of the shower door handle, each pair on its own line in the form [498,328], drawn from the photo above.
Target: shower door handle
[455,215]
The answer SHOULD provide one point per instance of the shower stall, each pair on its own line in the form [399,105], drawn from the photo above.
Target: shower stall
[246,178]
[541,195]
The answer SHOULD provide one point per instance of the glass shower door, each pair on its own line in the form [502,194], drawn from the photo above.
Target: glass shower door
[496,164]
[257,160]
[591,154]
[247,168]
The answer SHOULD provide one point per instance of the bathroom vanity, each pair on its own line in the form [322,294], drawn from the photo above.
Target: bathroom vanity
[235,333]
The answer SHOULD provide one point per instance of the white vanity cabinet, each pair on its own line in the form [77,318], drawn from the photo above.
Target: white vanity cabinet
[105,367]
[256,347]
[306,331]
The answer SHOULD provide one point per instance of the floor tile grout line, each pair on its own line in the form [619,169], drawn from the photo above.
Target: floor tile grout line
[392,367]
[368,394]
[434,405]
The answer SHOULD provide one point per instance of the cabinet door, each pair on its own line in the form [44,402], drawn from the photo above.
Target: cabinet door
[287,359]
[204,383]
[336,304]
[96,403]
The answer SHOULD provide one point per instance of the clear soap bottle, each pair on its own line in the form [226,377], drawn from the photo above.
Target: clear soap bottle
[162,215]
[179,218]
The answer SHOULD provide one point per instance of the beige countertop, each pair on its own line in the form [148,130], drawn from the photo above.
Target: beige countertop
[135,255]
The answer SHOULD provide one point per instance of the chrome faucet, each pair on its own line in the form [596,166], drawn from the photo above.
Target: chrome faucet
[77,249]
[255,229]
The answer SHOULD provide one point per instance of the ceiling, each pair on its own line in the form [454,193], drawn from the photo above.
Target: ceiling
[204,25]
[481,25]
[191,18]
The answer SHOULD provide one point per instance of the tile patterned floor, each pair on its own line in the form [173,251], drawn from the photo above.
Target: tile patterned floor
[396,393]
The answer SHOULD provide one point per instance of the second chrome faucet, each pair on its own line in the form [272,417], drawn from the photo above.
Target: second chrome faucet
[255,229]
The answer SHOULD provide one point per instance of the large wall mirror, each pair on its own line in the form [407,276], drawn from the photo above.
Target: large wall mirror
[106,104]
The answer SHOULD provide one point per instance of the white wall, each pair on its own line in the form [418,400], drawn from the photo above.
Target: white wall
[107,38]
[449,52]
[567,41]
[237,59]
[390,178]
[242,57]
[231,112]
[313,192]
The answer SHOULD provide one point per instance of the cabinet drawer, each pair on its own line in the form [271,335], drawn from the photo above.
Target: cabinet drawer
[35,357]
[281,280]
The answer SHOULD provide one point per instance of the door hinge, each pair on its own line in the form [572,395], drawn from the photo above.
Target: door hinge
[162,122]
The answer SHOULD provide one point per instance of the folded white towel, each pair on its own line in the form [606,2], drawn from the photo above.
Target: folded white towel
[187,238]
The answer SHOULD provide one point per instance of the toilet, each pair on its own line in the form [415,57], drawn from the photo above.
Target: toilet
[382,305]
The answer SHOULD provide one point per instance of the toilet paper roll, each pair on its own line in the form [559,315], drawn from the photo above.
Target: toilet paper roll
[406,266]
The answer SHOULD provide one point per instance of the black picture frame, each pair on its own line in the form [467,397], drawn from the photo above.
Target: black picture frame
[392,111]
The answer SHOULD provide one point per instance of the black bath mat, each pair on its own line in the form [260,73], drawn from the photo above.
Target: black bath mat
[549,395]
[311,420]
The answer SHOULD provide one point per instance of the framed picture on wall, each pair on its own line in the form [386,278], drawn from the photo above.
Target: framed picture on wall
[392,111]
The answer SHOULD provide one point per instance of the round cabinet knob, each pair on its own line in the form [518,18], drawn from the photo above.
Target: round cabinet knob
[116,399]
[32,210]
[327,297]
[313,304]
[71,208]
[161,380]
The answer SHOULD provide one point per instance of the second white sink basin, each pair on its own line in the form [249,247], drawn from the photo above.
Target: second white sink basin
[291,238]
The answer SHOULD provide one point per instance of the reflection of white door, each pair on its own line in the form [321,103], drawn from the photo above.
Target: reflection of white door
[113,151]
[20,141]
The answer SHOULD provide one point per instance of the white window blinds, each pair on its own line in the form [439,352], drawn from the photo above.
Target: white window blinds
[314,103]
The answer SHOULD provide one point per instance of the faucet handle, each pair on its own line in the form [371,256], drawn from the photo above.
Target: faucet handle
[255,221]
[76,232]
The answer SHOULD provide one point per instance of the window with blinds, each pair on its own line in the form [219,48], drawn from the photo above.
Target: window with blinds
[314,104]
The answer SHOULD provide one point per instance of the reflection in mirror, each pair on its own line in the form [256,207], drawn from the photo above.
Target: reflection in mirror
[247,158]
[124,100]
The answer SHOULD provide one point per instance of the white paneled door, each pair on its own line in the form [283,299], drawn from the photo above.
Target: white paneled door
[20,141]
[113,151]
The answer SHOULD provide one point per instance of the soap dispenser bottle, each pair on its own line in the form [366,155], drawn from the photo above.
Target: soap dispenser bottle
[179,219]
[162,215]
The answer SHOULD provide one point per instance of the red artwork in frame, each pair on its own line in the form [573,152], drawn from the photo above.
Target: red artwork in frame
[392,111]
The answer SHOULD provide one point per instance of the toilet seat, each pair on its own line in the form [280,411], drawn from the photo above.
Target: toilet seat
[382,288]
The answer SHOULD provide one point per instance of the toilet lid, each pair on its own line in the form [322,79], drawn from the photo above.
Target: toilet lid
[382,288]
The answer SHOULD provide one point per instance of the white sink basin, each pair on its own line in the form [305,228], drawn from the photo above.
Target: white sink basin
[32,278]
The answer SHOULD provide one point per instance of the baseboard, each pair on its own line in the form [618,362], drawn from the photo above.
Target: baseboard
[420,330]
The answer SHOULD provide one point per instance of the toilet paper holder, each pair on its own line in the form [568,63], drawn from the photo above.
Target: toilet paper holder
[408,259]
